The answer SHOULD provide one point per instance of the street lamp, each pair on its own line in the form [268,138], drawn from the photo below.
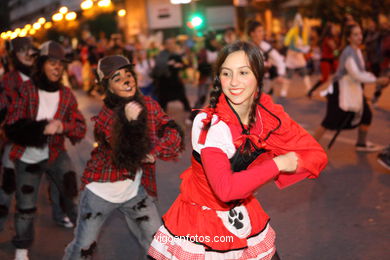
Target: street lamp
[57,17]
[41,20]
[48,25]
[37,26]
[122,12]
[63,10]
[87,4]
[70,16]
[104,3]
[23,33]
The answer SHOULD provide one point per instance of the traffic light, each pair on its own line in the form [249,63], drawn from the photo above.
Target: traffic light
[195,22]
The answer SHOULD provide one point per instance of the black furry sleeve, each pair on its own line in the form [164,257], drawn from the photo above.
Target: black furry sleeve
[3,113]
[130,141]
[27,132]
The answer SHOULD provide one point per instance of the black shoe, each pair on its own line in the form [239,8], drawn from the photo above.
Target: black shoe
[384,158]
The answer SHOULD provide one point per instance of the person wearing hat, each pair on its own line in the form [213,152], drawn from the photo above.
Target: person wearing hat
[45,113]
[22,54]
[132,131]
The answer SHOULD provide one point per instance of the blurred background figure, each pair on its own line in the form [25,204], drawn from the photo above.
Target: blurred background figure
[166,75]
[206,59]
[143,68]
[329,43]
[274,61]
[297,42]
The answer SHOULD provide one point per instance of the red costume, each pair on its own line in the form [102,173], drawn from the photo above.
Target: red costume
[210,187]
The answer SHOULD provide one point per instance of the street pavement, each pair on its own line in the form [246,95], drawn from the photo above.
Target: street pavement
[344,214]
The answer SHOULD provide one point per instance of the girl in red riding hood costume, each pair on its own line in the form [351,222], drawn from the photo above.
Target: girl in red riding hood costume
[240,141]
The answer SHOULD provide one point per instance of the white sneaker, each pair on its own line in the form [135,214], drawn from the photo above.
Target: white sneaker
[21,254]
[66,223]
[369,147]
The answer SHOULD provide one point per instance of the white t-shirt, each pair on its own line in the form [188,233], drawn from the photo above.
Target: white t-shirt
[48,106]
[116,192]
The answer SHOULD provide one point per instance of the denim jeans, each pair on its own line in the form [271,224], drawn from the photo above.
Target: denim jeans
[7,191]
[28,177]
[141,216]
[7,188]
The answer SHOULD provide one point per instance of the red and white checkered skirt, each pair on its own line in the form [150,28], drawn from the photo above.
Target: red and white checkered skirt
[167,246]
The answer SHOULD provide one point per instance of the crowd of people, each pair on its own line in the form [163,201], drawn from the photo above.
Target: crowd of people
[240,138]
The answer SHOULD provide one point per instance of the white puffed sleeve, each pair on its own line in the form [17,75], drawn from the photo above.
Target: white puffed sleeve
[218,135]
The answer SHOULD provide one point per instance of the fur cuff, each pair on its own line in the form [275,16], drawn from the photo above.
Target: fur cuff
[130,141]
[27,132]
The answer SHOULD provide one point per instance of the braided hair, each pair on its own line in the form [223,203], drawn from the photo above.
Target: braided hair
[256,61]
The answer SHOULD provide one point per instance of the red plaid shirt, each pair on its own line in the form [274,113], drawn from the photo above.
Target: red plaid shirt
[100,167]
[12,82]
[3,100]
[26,106]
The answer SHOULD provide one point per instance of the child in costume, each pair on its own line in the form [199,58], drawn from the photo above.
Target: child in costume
[131,131]
[241,141]
[347,107]
[45,113]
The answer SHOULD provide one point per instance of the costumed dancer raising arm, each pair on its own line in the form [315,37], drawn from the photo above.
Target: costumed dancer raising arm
[240,142]
[131,131]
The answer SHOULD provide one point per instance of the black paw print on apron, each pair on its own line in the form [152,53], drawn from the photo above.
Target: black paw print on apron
[235,218]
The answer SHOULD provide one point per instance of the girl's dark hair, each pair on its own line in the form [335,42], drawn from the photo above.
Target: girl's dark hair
[349,28]
[256,61]
[37,70]
[251,25]
[347,31]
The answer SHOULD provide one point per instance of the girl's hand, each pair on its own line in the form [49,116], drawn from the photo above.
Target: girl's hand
[287,162]
[132,110]
[149,159]
[53,127]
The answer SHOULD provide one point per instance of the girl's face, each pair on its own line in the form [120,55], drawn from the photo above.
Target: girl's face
[238,82]
[356,36]
[53,69]
[122,83]
[25,56]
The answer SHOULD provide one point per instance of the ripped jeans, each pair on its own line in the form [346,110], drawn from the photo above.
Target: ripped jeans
[141,216]
[28,178]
